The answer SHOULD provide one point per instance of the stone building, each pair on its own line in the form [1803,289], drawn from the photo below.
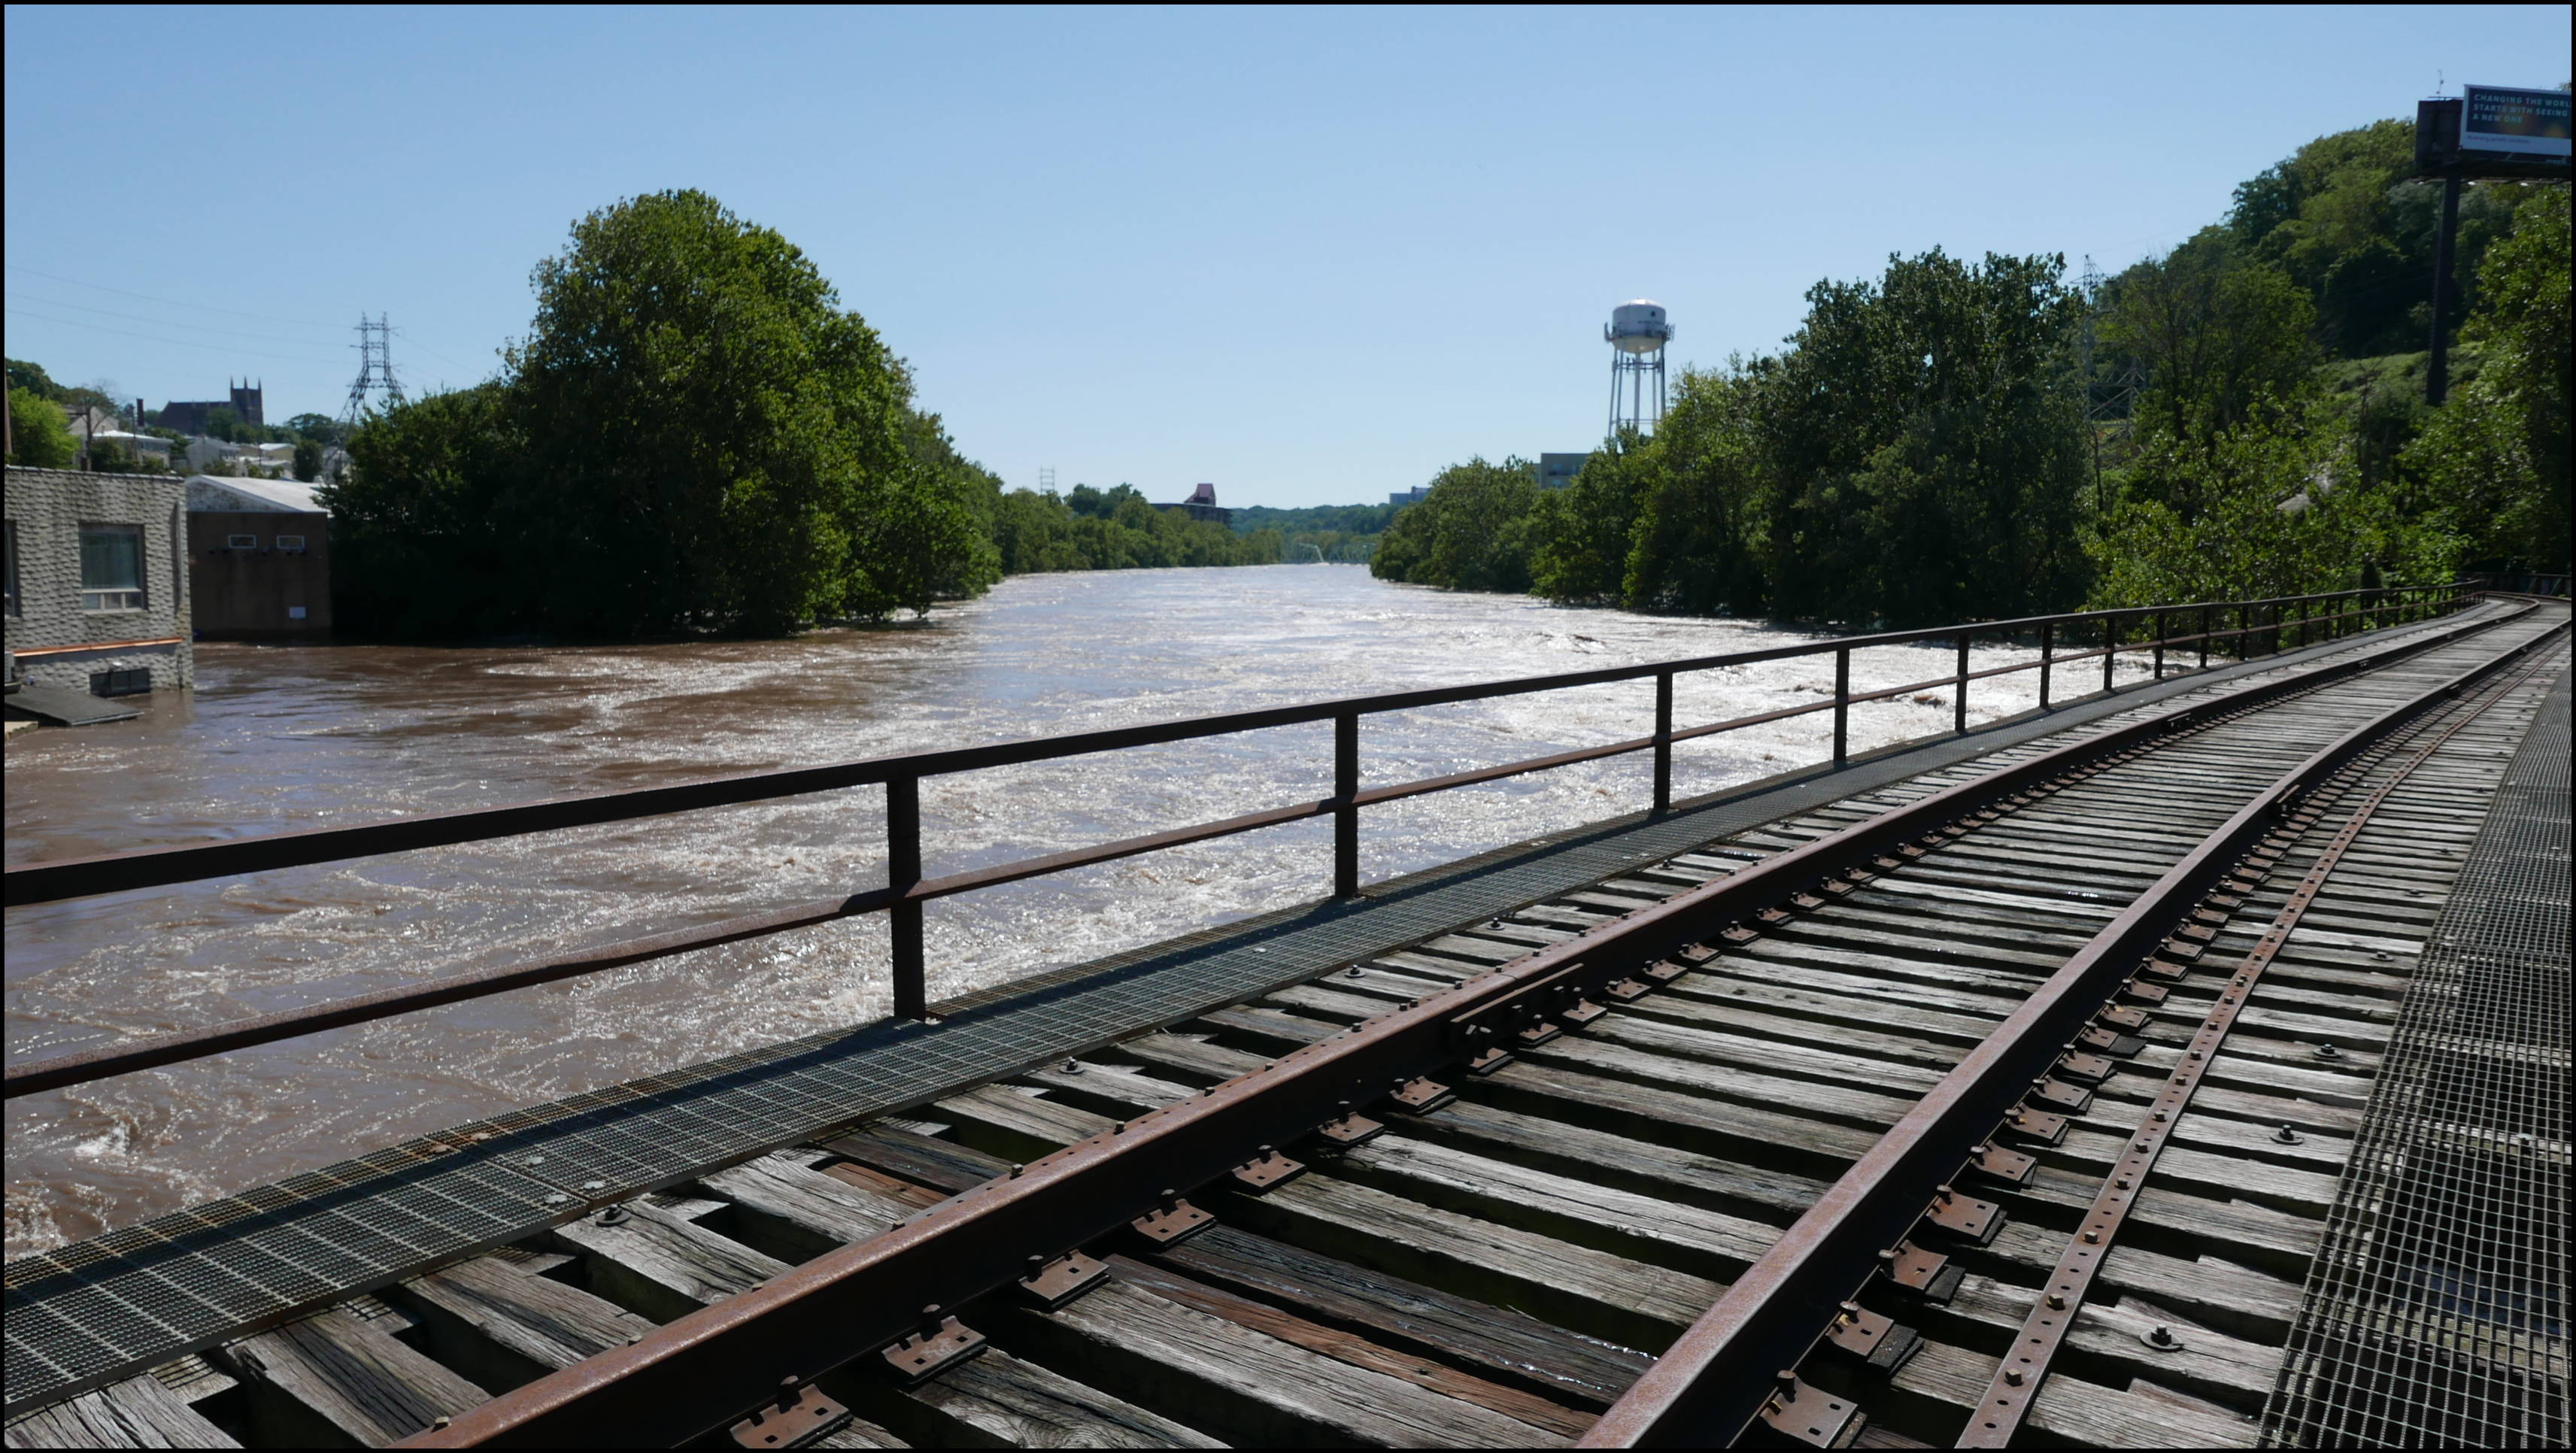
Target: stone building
[190,417]
[98,581]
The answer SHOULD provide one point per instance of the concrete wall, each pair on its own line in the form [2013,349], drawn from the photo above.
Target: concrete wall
[256,591]
[58,643]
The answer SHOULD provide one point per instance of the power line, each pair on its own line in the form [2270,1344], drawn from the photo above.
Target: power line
[162,322]
[406,336]
[179,342]
[174,302]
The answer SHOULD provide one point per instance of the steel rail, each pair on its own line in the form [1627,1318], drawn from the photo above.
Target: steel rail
[58,879]
[107,1061]
[2022,1372]
[711,1367]
[1711,1384]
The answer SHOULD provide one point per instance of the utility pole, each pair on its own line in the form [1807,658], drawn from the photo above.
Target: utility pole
[2437,369]
[2439,127]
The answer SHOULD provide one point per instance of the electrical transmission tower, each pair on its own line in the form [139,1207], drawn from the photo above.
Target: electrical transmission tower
[375,368]
[1046,479]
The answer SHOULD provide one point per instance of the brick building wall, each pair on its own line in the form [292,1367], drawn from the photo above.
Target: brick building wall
[56,640]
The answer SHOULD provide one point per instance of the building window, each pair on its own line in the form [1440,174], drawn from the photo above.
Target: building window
[291,542]
[111,567]
[241,542]
[13,569]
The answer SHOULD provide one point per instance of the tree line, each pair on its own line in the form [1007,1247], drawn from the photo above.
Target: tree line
[1961,440]
[696,436]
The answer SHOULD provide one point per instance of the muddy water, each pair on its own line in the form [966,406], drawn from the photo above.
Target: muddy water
[300,736]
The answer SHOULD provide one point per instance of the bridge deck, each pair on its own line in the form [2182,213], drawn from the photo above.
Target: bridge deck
[93,1313]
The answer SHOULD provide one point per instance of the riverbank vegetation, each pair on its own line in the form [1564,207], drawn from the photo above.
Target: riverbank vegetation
[695,436]
[1955,440]
[1337,534]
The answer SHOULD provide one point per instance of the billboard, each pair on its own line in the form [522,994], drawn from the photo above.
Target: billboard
[2515,121]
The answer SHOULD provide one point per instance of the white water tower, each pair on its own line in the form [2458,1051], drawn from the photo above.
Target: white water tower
[1637,332]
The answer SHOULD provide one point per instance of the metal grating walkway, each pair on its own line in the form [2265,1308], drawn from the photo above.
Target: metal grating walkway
[2436,1309]
[120,1303]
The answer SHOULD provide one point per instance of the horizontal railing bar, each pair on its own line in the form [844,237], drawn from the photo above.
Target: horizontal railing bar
[1757,719]
[161,867]
[956,883]
[109,1060]
[1396,792]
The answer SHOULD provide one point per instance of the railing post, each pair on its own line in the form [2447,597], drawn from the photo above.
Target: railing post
[2047,654]
[1346,808]
[903,873]
[2307,612]
[2110,648]
[2160,646]
[1959,704]
[2204,638]
[1842,704]
[1663,742]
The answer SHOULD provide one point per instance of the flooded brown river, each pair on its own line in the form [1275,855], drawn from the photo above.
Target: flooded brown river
[302,736]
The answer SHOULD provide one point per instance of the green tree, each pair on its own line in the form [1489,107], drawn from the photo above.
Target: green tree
[321,428]
[2345,221]
[435,525]
[1472,532]
[1580,534]
[1696,547]
[2220,334]
[723,442]
[2281,511]
[308,460]
[36,425]
[33,378]
[2496,455]
[1924,456]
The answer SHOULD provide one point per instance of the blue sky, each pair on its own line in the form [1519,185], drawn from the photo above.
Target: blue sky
[1310,255]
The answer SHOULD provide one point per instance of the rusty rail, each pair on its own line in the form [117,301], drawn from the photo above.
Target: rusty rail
[2023,1371]
[2259,623]
[1709,1386]
[711,1367]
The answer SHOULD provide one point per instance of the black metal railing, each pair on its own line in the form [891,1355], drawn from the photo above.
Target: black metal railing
[2259,627]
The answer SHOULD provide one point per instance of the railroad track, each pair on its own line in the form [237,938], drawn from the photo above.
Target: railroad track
[1793,1137]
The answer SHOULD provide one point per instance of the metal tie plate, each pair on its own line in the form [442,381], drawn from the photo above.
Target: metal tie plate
[1926,1272]
[1422,1096]
[800,1416]
[1171,1224]
[1806,1414]
[1876,1340]
[1266,1170]
[933,1350]
[1350,1130]
[2061,1097]
[1973,1221]
[1059,1281]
